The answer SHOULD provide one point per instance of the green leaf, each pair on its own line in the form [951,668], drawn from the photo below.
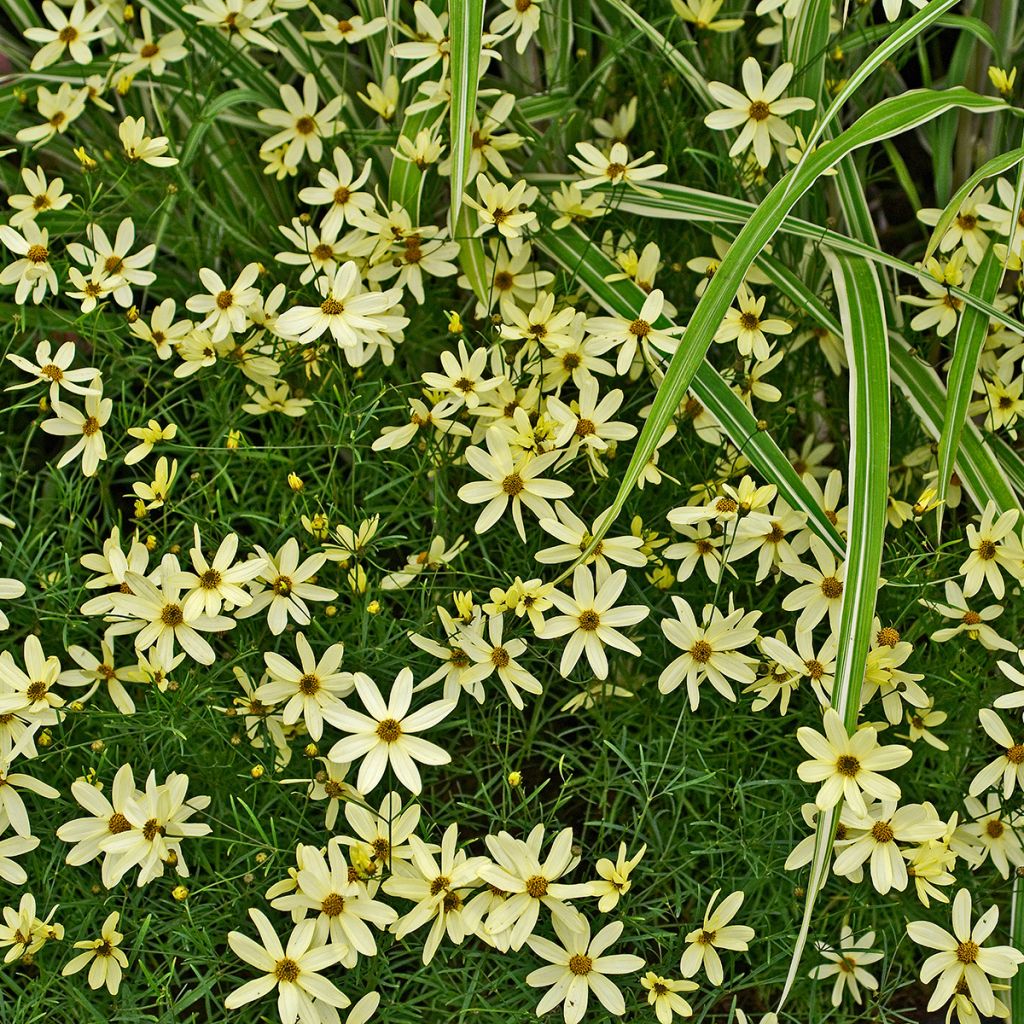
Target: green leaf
[980,471]
[590,266]
[466,25]
[864,329]
[471,256]
[970,339]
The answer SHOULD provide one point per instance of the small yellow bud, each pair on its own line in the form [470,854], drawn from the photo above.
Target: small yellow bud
[331,610]
[44,404]
[295,482]
[129,13]
[97,746]
[44,739]
[150,543]
[662,577]
[124,83]
[234,437]
[1002,80]
[454,322]
[515,779]
[180,893]
[132,315]
[87,162]
[311,750]
[256,771]
[373,607]
[261,857]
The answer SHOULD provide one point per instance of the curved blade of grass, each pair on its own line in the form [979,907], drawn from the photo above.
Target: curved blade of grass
[889,117]
[807,50]
[989,169]
[979,468]
[589,266]
[862,314]
[970,339]
[466,25]
[978,460]
[894,41]
[679,202]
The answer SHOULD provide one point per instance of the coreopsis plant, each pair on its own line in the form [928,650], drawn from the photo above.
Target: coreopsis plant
[405,403]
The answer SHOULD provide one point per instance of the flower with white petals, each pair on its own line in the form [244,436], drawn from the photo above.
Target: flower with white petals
[714,934]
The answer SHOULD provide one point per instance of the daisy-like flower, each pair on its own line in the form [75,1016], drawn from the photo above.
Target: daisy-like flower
[509,480]
[294,970]
[579,967]
[104,671]
[496,654]
[439,891]
[920,722]
[42,196]
[152,53]
[88,425]
[380,838]
[218,582]
[32,271]
[502,207]
[464,379]
[748,327]
[348,311]
[301,126]
[55,369]
[520,18]
[157,824]
[158,617]
[116,258]
[285,587]
[804,662]
[663,995]
[880,830]
[849,766]
[994,832]
[73,32]
[58,110]
[531,883]
[162,331]
[341,904]
[968,228]
[1009,766]
[106,818]
[225,308]
[576,538]
[386,736]
[716,933]
[1013,699]
[822,590]
[102,956]
[342,191]
[25,934]
[995,549]
[972,622]
[941,308]
[847,965]
[614,882]
[30,691]
[240,20]
[139,147]
[710,650]
[590,424]
[777,537]
[593,621]
[613,167]
[636,334]
[148,436]
[312,689]
[760,111]
[961,957]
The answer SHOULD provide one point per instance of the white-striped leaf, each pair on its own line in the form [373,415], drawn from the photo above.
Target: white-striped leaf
[466,26]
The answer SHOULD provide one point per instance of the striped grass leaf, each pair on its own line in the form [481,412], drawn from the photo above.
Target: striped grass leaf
[979,460]
[680,202]
[466,26]
[894,40]
[1017,938]
[471,256]
[405,182]
[589,266]
[807,50]
[864,329]
[970,339]
[989,169]
[887,118]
